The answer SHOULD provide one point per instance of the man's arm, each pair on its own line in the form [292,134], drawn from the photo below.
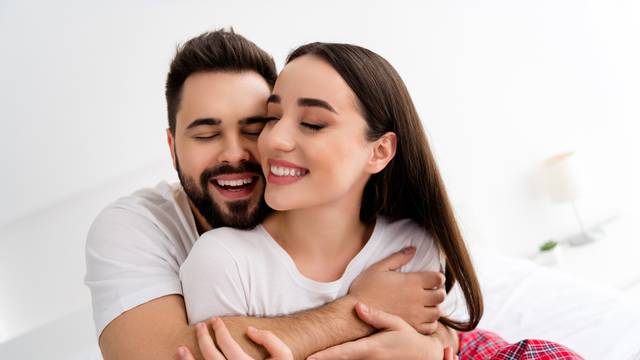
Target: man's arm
[157,328]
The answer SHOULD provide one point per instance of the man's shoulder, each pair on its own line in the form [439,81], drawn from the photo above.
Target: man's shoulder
[160,211]
[154,202]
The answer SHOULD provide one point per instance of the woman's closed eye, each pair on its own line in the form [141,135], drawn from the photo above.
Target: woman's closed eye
[312,126]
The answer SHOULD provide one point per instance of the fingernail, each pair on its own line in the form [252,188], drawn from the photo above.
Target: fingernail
[182,352]
[408,250]
[364,308]
[252,330]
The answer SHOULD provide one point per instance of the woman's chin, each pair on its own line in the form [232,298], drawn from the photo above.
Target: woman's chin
[277,204]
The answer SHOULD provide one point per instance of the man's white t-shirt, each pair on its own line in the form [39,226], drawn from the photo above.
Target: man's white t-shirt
[247,273]
[135,248]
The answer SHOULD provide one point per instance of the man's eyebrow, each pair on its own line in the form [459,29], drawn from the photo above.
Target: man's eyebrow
[316,103]
[253,120]
[273,99]
[204,121]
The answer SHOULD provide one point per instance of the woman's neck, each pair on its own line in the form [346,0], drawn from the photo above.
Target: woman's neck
[321,240]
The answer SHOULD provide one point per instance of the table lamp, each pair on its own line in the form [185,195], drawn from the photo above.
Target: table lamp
[562,187]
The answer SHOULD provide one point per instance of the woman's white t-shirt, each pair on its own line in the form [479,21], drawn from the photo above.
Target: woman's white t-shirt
[247,273]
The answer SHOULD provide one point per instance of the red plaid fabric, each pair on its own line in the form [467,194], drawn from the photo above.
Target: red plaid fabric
[485,345]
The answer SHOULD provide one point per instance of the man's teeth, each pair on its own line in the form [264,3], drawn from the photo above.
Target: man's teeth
[284,171]
[238,182]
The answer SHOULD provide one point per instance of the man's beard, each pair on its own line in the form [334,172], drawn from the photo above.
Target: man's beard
[238,215]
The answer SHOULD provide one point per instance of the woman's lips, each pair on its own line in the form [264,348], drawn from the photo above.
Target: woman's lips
[283,172]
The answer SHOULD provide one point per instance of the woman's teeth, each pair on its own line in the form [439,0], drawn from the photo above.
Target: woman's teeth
[239,182]
[284,171]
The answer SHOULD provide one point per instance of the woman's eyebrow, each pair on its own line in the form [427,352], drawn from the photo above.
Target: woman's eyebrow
[309,102]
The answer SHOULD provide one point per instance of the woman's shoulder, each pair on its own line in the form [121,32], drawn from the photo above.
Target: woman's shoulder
[228,240]
[404,228]
[406,232]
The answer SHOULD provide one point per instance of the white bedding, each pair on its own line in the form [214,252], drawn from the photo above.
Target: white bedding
[525,300]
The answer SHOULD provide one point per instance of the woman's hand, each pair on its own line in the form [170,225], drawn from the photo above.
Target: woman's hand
[229,348]
[412,296]
[396,340]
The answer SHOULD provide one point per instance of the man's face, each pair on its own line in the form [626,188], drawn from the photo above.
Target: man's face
[214,148]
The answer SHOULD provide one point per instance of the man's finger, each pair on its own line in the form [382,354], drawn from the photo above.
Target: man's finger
[395,260]
[379,319]
[352,350]
[227,344]
[271,342]
[205,343]
[448,353]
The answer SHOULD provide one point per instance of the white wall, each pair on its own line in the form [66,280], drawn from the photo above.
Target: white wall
[500,84]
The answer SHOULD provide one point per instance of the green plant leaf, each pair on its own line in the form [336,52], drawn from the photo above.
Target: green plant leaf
[548,245]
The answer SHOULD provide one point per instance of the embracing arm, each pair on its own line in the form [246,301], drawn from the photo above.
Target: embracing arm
[157,328]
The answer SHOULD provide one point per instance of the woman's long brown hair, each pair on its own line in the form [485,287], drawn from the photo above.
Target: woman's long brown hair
[410,186]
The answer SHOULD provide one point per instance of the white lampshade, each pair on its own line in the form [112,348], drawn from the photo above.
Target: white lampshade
[560,177]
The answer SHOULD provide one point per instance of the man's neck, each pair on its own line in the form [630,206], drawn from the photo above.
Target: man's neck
[202,225]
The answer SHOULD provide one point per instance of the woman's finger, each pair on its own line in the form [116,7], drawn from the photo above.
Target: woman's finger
[352,350]
[184,353]
[227,344]
[278,349]
[427,328]
[379,319]
[205,343]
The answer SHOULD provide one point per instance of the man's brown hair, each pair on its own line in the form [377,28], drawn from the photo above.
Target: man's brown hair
[220,50]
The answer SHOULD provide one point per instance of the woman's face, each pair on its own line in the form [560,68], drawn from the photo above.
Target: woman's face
[314,149]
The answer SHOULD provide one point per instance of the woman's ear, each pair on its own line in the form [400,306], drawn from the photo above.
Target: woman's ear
[383,150]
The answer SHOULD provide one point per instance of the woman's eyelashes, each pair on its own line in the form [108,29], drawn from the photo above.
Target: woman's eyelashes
[312,126]
[305,124]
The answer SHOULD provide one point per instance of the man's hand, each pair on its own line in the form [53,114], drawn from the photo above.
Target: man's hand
[413,297]
[229,348]
[396,340]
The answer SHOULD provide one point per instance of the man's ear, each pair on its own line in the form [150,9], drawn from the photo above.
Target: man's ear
[170,141]
[382,152]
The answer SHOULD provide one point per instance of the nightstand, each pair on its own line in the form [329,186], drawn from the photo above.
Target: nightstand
[614,260]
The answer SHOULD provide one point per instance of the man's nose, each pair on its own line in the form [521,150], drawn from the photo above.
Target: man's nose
[234,151]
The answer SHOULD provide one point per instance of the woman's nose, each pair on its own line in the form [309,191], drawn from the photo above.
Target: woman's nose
[279,136]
